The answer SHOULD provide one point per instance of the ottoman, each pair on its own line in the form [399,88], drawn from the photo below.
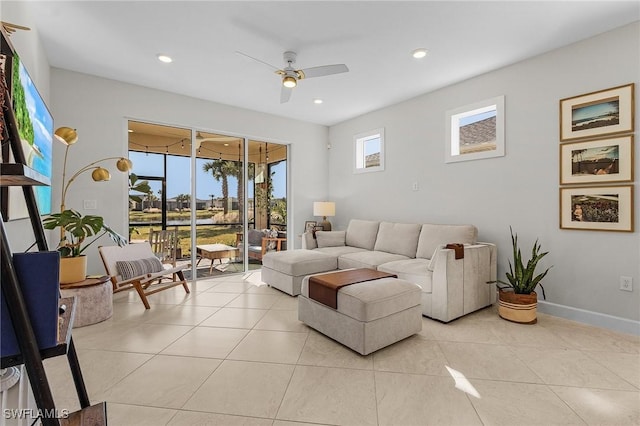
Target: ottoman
[285,270]
[370,315]
[94,300]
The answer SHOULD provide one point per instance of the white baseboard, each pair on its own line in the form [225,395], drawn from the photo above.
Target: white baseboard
[588,317]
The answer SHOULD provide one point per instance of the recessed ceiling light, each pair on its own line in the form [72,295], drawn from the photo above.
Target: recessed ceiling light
[317,101]
[164,58]
[419,53]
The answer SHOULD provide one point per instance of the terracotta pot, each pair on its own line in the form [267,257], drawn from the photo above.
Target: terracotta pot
[520,308]
[73,269]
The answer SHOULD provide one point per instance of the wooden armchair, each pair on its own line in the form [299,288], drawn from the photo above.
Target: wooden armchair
[164,244]
[135,266]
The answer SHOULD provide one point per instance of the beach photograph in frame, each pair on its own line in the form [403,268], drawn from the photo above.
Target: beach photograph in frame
[597,208]
[597,161]
[596,114]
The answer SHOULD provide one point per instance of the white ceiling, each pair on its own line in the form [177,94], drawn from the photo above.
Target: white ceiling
[120,41]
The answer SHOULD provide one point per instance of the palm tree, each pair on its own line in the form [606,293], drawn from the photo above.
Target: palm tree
[180,199]
[234,168]
[221,170]
[150,197]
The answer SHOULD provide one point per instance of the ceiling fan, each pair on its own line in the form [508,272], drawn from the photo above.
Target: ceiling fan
[291,76]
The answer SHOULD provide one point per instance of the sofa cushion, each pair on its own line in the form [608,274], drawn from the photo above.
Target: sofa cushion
[367,259]
[398,238]
[413,270]
[299,262]
[362,233]
[339,251]
[371,300]
[330,238]
[431,236]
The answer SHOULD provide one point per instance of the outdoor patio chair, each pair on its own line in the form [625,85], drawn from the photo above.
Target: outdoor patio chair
[164,244]
[259,242]
[135,266]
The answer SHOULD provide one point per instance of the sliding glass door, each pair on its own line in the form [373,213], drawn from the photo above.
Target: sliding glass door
[237,202]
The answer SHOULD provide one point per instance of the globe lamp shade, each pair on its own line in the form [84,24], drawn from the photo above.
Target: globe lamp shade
[100,174]
[124,165]
[66,135]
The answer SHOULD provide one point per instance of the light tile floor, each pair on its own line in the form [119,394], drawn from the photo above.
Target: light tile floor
[233,353]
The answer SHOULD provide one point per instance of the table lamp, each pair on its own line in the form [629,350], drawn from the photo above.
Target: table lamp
[324,209]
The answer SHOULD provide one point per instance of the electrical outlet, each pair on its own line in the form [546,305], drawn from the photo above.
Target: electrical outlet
[626,283]
[90,204]
[414,186]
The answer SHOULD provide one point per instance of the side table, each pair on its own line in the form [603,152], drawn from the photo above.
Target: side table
[94,299]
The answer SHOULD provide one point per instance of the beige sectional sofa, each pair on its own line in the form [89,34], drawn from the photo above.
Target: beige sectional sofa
[416,253]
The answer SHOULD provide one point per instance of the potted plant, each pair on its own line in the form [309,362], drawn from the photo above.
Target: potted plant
[77,228]
[518,300]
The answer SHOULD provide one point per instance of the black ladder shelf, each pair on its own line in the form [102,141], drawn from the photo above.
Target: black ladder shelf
[18,174]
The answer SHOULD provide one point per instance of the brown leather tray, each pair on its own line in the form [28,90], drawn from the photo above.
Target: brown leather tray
[324,288]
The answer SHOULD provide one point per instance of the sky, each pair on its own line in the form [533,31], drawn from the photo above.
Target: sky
[178,169]
[476,117]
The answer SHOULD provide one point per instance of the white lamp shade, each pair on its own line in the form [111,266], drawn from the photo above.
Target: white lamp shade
[324,208]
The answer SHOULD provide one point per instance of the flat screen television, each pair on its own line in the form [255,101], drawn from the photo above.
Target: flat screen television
[35,128]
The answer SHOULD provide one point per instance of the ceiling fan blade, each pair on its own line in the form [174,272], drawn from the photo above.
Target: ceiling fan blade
[324,70]
[285,94]
[258,60]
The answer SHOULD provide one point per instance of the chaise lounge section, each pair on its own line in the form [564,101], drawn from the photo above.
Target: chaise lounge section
[450,287]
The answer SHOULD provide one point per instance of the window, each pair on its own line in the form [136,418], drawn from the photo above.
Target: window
[369,151]
[476,131]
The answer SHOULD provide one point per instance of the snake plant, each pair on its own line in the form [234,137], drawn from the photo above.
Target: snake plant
[522,278]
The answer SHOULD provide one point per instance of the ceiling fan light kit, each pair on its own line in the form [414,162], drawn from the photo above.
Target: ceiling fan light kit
[289,82]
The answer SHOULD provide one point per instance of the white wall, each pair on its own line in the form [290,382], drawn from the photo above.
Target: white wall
[98,109]
[520,189]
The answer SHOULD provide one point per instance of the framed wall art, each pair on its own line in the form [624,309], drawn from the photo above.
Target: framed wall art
[475,131]
[597,161]
[309,225]
[597,208]
[603,113]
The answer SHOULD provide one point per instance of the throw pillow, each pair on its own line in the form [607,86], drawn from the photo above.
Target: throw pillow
[135,268]
[255,237]
[330,238]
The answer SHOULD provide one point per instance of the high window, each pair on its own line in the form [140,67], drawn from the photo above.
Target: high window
[369,151]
